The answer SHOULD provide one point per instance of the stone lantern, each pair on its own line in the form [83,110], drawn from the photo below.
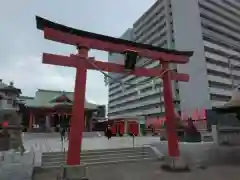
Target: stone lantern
[10,137]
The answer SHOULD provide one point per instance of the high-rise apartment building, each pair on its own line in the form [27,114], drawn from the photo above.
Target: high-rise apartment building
[211,29]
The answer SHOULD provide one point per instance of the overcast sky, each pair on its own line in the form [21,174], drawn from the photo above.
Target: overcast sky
[22,45]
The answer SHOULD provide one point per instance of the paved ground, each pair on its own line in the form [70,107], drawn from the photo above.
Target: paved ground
[204,153]
[131,171]
[57,135]
[51,142]
[152,171]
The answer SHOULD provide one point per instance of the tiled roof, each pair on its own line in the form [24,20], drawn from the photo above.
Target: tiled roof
[3,85]
[44,98]
[6,87]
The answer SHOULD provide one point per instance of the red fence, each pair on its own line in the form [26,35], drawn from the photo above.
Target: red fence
[198,116]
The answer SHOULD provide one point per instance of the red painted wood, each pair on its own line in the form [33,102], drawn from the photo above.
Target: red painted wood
[134,128]
[114,129]
[202,113]
[66,38]
[109,67]
[129,128]
[78,118]
[59,60]
[195,115]
[120,127]
[173,149]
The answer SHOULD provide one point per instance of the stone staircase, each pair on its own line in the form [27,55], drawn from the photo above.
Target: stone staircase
[54,163]
[98,157]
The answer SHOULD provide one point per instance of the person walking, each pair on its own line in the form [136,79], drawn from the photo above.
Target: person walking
[62,133]
[108,132]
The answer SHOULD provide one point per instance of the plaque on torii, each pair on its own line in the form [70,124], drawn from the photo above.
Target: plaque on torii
[85,41]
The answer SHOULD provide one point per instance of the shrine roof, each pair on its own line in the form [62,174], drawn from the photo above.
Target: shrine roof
[45,99]
[44,23]
[7,88]
[2,85]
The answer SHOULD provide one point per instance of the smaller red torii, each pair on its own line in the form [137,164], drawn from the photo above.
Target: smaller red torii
[85,41]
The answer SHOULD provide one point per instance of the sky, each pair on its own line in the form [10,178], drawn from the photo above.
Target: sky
[22,45]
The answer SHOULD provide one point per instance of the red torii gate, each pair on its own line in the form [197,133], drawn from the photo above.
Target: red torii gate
[86,41]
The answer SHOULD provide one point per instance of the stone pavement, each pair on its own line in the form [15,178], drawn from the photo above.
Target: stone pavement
[152,171]
[204,153]
[16,166]
[51,142]
[139,171]
[16,171]
[48,142]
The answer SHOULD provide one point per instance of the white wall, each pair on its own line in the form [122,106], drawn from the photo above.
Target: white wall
[188,37]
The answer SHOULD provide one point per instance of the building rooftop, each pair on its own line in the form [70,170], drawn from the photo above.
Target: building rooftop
[10,87]
[51,98]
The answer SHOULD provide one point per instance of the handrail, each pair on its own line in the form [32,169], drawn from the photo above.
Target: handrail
[133,140]
[34,155]
[62,172]
[143,148]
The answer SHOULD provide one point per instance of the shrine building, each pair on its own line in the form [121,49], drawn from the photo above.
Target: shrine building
[48,109]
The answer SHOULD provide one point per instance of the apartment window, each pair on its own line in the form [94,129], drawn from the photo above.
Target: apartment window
[218,97]
[222,74]
[220,32]
[123,97]
[217,62]
[221,43]
[148,23]
[217,73]
[142,108]
[219,85]
[144,38]
[146,89]
[232,5]
[224,8]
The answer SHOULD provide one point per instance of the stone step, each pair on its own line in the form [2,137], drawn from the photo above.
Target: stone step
[106,158]
[95,152]
[103,162]
[56,159]
[96,156]
[93,160]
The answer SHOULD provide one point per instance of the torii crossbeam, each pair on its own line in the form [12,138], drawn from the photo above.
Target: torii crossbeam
[86,41]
